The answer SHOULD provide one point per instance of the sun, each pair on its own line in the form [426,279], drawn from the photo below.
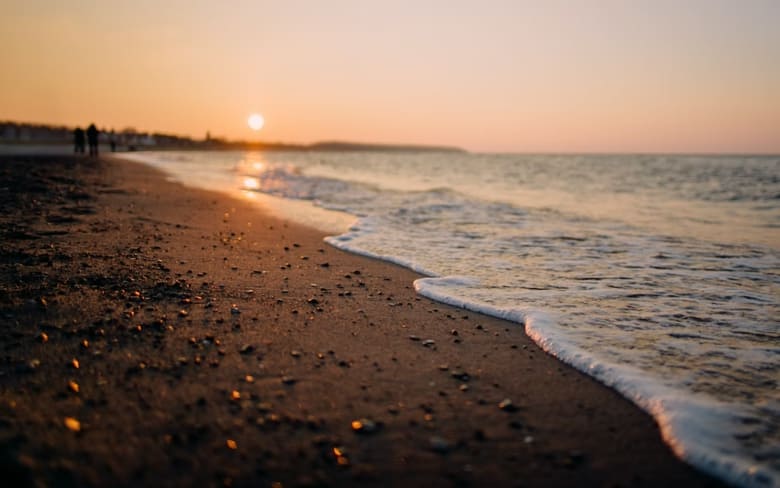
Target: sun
[255,121]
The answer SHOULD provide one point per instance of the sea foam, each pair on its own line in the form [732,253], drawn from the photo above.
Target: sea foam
[657,275]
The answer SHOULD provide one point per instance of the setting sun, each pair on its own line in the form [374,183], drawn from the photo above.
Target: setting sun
[255,121]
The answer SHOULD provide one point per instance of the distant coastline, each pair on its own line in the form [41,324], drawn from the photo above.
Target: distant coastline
[129,139]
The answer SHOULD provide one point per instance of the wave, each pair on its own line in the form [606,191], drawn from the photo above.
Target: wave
[657,316]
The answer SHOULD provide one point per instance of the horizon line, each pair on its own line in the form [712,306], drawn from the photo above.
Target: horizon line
[430,146]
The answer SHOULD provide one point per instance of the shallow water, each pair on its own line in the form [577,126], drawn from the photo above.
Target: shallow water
[658,275]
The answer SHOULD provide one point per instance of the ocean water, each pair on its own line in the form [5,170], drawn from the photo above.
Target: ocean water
[657,275]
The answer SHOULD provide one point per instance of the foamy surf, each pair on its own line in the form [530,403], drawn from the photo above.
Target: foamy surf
[657,275]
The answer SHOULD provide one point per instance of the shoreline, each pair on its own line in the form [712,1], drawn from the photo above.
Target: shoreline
[182,295]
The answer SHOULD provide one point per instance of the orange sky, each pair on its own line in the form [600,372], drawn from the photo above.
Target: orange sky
[569,76]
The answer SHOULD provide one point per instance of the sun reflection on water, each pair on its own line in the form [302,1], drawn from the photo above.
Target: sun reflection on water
[250,183]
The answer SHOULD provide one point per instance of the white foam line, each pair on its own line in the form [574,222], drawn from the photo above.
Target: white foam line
[688,425]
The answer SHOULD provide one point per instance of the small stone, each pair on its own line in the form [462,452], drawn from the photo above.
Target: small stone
[234,309]
[231,444]
[364,426]
[439,444]
[507,406]
[43,337]
[464,387]
[72,424]
[313,301]
[73,386]
[235,395]
[528,439]
[295,354]
[246,349]
[75,363]
[443,367]
[414,338]
[340,451]
[461,375]
[288,380]
[249,378]
[183,313]
[341,456]
[429,343]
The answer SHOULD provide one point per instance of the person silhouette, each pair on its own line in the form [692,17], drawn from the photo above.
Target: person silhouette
[78,140]
[92,139]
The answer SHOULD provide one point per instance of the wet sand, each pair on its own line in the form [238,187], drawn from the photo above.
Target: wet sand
[155,335]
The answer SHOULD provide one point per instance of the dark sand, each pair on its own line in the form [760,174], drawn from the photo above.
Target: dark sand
[136,278]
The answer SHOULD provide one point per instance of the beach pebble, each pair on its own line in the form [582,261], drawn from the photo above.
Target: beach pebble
[264,406]
[461,375]
[72,424]
[507,406]
[340,452]
[364,426]
[439,444]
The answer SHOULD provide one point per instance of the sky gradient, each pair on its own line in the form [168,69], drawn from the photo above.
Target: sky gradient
[509,76]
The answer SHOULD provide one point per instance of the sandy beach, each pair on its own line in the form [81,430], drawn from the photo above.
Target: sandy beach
[157,335]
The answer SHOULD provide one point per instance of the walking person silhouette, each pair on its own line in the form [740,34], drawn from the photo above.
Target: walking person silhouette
[92,139]
[78,140]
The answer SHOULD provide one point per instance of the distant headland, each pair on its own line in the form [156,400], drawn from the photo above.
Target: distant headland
[130,139]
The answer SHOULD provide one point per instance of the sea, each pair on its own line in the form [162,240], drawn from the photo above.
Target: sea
[657,275]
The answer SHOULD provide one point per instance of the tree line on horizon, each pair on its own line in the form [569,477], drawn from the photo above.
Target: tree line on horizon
[131,139]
